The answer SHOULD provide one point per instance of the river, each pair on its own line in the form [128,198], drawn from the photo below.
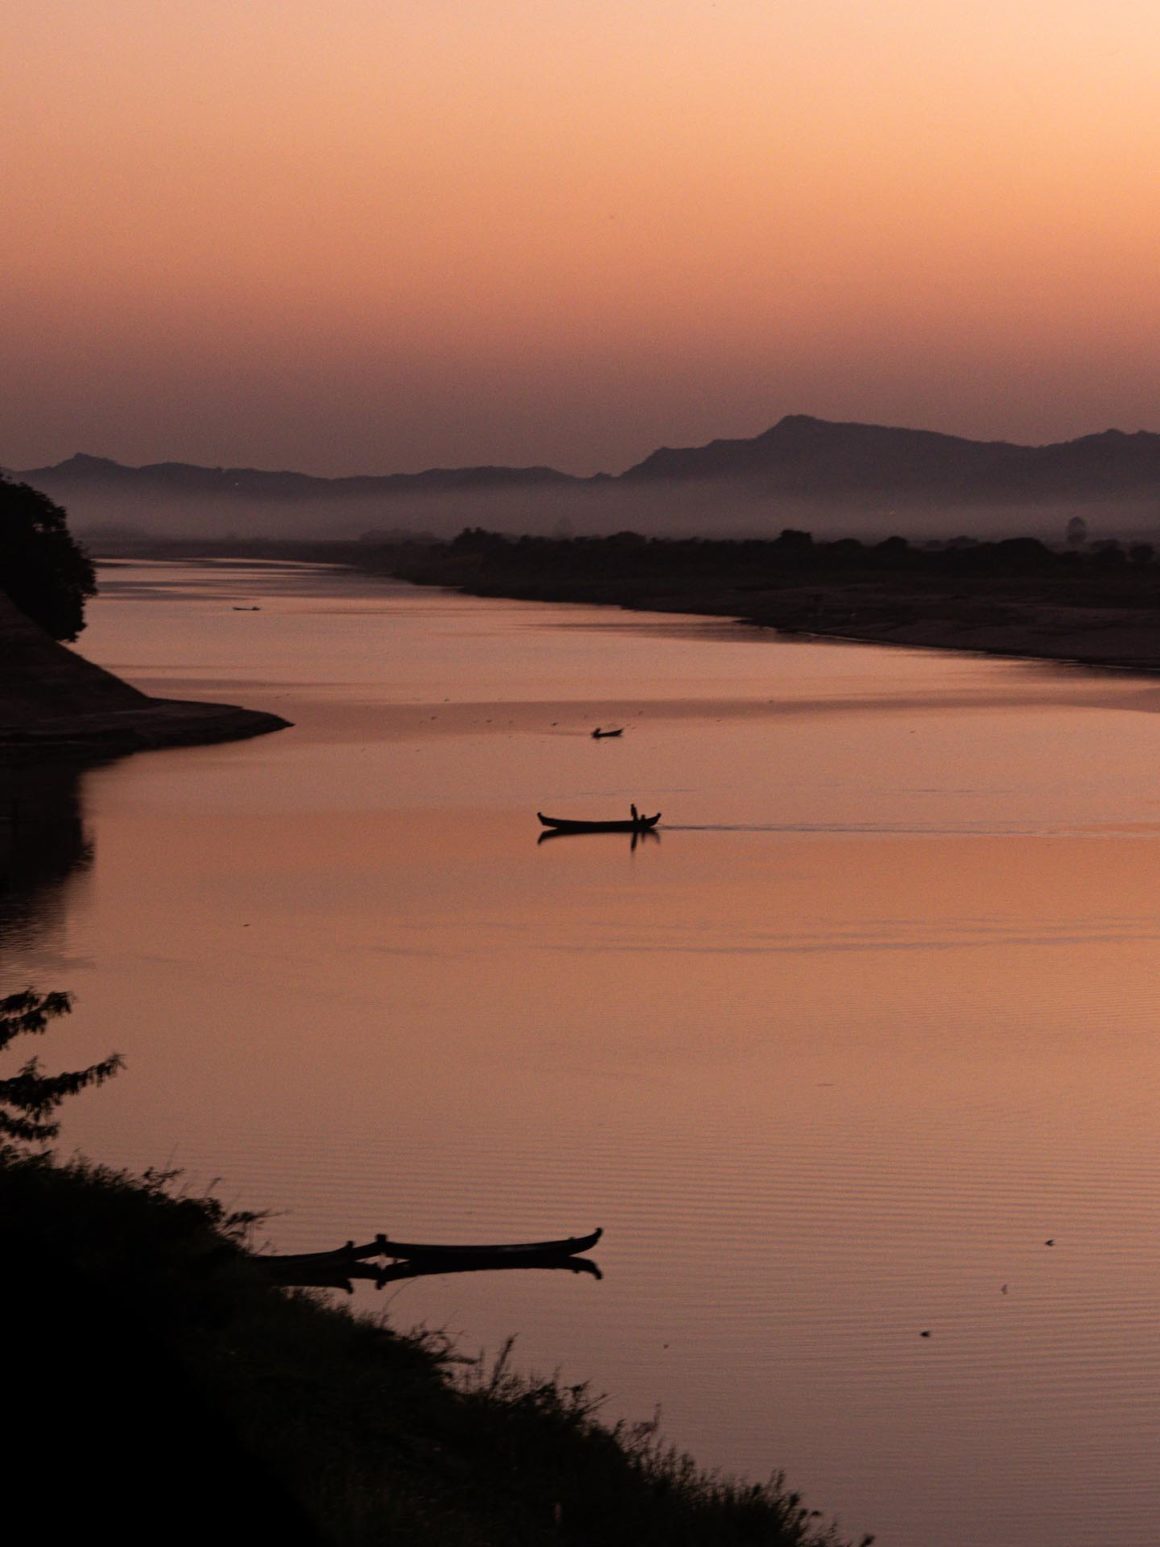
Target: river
[832,1059]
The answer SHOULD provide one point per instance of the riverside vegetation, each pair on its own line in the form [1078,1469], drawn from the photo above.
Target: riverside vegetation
[162,1387]
[1097,602]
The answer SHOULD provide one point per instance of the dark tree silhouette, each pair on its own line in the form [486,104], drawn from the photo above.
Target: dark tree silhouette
[29,1097]
[42,568]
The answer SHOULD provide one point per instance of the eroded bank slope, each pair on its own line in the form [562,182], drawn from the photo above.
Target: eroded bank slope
[56,705]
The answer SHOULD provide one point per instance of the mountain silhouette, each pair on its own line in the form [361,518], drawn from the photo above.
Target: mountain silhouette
[798,455]
[801,468]
[248,482]
[809,457]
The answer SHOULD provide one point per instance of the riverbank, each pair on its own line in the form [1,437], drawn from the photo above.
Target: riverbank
[1098,607]
[1014,599]
[57,707]
[161,1377]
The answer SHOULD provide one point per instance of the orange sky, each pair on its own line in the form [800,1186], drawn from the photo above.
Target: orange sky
[371,235]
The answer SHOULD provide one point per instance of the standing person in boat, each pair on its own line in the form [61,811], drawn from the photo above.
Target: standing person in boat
[635,814]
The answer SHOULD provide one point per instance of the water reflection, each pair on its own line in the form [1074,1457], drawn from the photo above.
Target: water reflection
[878,1023]
[300,1273]
[638,835]
[44,844]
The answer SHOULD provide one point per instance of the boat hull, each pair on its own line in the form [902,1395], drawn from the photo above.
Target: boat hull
[347,1259]
[560,824]
[416,1251]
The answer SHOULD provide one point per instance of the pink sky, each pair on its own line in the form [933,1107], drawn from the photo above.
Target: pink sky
[372,235]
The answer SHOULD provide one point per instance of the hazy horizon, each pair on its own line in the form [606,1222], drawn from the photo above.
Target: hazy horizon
[355,238]
[820,476]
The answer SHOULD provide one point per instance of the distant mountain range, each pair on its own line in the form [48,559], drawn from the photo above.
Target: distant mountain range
[811,457]
[799,461]
[186,478]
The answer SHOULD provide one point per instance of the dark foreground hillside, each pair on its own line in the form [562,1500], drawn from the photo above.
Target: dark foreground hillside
[160,1390]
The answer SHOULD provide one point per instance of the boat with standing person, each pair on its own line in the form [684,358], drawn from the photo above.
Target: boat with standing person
[637,823]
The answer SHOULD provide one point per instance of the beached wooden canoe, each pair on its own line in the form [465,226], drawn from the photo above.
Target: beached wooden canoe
[417,1251]
[562,824]
[492,1255]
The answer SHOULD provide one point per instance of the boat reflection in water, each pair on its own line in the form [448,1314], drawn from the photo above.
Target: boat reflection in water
[637,834]
[337,1276]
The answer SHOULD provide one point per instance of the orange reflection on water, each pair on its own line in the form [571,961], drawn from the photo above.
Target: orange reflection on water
[831,1060]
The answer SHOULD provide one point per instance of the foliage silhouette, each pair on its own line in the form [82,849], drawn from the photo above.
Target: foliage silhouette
[29,1098]
[43,569]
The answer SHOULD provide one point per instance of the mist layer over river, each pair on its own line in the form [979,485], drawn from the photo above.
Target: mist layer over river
[831,1059]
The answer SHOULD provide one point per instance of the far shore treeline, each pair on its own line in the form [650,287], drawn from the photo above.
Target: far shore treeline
[478,552]
[792,555]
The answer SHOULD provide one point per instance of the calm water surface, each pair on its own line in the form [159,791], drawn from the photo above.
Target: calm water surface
[830,1060]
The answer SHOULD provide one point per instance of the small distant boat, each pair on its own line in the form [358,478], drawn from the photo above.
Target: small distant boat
[600,735]
[563,824]
[247,609]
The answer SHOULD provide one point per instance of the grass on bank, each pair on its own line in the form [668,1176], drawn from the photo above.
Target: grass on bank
[317,1425]
[158,1388]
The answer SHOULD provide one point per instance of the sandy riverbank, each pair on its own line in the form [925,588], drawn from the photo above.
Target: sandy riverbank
[1125,637]
[1087,613]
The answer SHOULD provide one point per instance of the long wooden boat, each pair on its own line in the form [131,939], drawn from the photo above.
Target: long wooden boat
[344,1257]
[563,824]
[428,1267]
[417,1251]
